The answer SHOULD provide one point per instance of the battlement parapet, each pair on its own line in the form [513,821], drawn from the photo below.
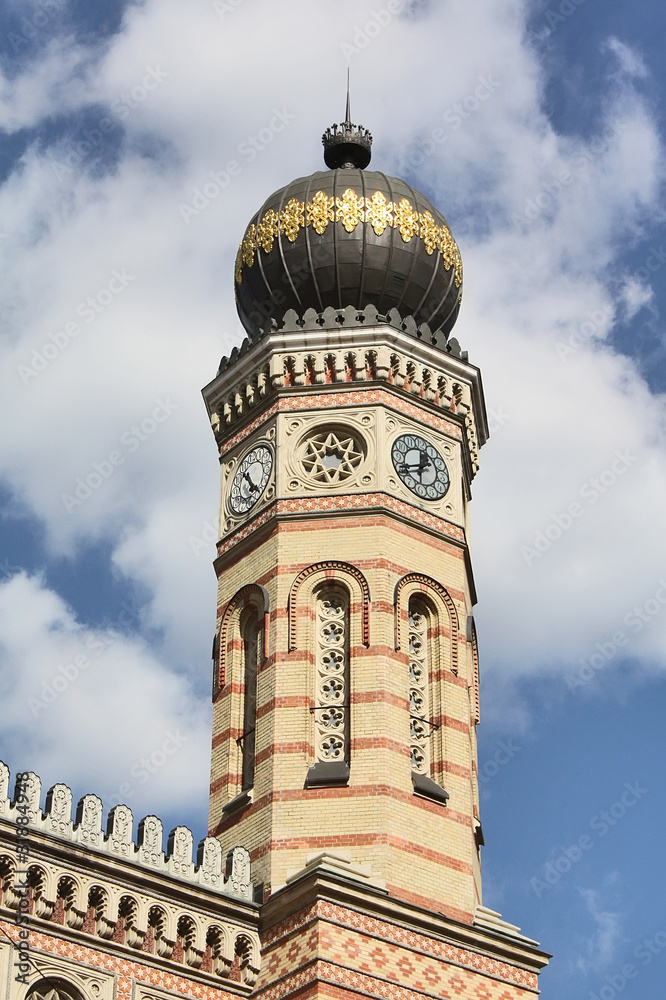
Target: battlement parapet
[230,876]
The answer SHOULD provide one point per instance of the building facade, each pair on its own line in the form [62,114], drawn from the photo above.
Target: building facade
[345,669]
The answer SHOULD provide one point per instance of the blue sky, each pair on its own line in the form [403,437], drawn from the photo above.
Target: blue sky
[538,130]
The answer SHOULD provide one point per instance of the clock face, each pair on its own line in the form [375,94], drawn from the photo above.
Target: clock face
[250,480]
[420,466]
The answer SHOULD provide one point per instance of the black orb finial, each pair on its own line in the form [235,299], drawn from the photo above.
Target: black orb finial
[347,145]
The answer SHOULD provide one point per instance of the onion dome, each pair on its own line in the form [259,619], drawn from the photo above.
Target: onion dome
[344,237]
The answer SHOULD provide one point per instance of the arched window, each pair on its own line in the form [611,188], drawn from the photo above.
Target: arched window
[331,708]
[53,989]
[241,649]
[249,627]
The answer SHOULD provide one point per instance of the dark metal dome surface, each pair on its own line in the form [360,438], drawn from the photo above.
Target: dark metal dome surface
[348,237]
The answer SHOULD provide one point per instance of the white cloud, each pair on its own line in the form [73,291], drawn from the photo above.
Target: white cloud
[91,705]
[634,295]
[601,945]
[630,61]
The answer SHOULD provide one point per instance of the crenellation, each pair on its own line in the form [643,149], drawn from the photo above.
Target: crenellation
[86,830]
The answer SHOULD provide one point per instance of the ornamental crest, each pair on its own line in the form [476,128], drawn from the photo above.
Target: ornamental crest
[429,233]
[406,220]
[238,267]
[350,209]
[267,231]
[320,212]
[379,213]
[292,218]
[451,254]
[249,245]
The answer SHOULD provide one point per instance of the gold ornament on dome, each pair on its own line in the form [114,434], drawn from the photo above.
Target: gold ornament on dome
[238,266]
[320,212]
[292,218]
[249,246]
[429,233]
[405,219]
[350,210]
[379,212]
[451,254]
[267,231]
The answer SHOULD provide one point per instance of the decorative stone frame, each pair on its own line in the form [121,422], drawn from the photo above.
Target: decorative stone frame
[302,636]
[230,460]
[298,428]
[443,639]
[229,672]
[299,606]
[252,595]
[68,980]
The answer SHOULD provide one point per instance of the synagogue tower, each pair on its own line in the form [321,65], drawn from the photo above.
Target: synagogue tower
[349,423]
[343,852]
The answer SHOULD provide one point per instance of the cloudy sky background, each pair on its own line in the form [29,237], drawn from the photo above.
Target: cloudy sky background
[537,130]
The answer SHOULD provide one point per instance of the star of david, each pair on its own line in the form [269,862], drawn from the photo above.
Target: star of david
[331,458]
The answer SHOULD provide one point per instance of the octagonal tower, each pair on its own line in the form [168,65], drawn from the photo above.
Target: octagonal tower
[345,665]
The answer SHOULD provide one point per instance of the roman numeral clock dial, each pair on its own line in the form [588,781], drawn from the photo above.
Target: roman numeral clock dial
[420,466]
[251,479]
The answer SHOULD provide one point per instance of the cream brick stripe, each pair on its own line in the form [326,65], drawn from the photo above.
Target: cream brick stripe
[365,839]
[368,520]
[352,502]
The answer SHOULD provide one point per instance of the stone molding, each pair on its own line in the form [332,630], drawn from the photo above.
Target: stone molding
[251,594]
[419,583]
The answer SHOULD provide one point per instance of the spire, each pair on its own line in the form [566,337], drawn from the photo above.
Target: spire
[347,145]
[348,120]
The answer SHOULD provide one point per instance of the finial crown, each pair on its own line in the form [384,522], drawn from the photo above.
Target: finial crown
[347,145]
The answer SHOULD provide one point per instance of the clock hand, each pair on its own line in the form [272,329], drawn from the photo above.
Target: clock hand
[253,486]
[423,464]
